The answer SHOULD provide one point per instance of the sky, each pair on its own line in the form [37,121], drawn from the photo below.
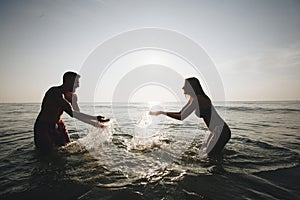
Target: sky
[252,47]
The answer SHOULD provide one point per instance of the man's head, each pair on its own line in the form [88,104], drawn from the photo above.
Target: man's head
[71,81]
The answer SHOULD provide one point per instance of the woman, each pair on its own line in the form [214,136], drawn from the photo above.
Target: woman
[201,104]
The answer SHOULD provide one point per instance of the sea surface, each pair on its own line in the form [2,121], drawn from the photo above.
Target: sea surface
[137,156]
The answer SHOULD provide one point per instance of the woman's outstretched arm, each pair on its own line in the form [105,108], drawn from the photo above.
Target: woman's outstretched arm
[181,115]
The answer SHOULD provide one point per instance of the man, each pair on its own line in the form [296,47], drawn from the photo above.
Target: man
[49,129]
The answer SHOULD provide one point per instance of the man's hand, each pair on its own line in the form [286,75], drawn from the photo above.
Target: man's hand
[102,119]
[98,124]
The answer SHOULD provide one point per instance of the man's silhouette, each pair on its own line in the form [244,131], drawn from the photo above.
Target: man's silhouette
[49,129]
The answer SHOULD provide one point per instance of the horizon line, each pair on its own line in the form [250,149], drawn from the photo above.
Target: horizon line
[37,102]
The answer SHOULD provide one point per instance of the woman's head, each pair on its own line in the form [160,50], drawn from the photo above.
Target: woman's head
[193,87]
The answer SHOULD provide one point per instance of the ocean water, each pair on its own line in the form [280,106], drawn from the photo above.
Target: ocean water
[137,156]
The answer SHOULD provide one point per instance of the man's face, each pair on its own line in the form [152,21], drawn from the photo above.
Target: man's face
[72,84]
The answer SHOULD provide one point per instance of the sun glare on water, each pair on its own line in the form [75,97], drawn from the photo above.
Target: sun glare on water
[153,103]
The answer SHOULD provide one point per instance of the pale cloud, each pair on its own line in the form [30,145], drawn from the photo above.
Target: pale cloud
[273,60]
[280,61]
[268,75]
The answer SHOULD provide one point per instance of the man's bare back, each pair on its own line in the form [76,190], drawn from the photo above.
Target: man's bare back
[53,105]
[49,129]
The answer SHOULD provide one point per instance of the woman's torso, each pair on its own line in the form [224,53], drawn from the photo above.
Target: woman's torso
[207,111]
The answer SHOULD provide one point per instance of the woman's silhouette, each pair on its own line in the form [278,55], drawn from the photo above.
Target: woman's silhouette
[201,104]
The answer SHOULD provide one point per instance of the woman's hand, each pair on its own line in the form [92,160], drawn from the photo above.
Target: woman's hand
[156,113]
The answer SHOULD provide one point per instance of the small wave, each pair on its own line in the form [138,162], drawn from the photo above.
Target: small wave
[262,109]
[255,156]
[16,137]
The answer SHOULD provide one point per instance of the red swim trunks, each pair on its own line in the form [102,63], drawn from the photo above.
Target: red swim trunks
[47,135]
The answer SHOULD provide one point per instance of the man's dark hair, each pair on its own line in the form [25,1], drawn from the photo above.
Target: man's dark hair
[70,75]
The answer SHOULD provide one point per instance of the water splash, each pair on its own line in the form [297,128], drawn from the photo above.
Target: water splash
[98,137]
[146,133]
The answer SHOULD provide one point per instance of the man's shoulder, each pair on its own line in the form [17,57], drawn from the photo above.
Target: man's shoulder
[71,97]
[55,90]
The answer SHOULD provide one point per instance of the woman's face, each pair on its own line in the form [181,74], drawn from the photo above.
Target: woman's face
[188,90]
[184,88]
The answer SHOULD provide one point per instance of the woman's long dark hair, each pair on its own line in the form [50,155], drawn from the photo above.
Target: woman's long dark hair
[193,87]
